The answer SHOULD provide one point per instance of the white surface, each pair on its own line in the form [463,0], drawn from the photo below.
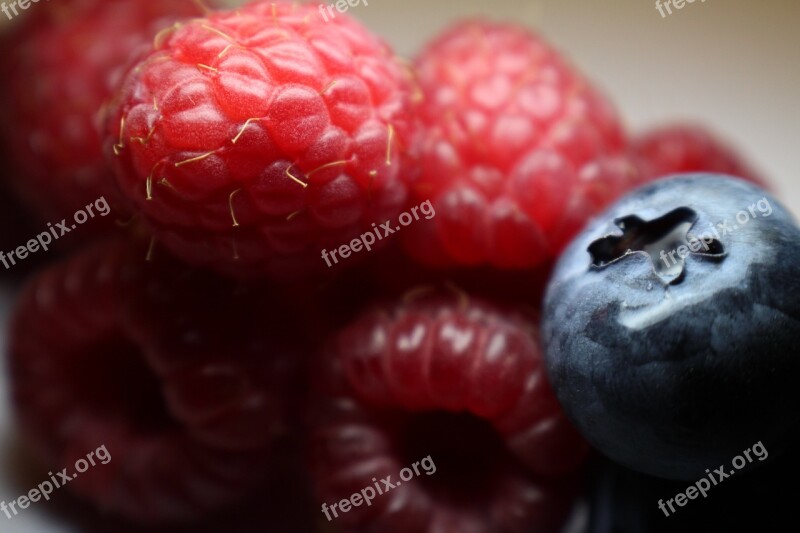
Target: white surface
[731,64]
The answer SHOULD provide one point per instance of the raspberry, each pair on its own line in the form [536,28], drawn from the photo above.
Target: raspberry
[172,370]
[61,69]
[680,148]
[253,139]
[456,379]
[513,150]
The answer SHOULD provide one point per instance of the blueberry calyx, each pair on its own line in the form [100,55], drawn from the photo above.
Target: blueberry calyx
[661,239]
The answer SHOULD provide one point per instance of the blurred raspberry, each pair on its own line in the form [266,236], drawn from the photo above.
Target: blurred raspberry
[185,378]
[455,379]
[253,139]
[679,148]
[517,150]
[61,65]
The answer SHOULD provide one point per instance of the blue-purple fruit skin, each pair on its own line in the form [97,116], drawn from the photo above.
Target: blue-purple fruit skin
[671,377]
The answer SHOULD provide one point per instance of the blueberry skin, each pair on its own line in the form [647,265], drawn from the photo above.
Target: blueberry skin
[670,371]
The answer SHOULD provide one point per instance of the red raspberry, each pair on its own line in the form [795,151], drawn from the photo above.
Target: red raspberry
[513,149]
[61,67]
[678,148]
[184,378]
[253,139]
[456,379]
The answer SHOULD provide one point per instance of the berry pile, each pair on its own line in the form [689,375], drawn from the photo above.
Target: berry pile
[205,341]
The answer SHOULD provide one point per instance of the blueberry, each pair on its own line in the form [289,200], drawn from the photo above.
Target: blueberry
[672,326]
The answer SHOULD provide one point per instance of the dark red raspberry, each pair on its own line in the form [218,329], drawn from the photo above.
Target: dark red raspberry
[185,378]
[61,68]
[679,148]
[514,150]
[456,379]
[253,139]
